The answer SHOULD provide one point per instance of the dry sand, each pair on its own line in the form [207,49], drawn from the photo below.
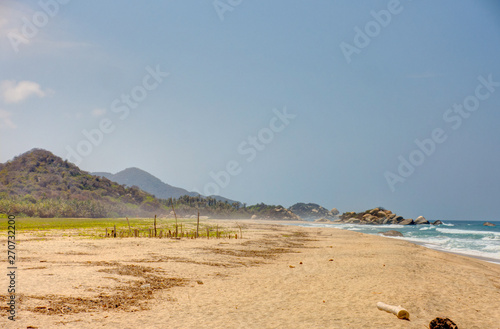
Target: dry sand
[275,277]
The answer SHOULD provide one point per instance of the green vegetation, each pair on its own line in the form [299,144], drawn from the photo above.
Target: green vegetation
[96,227]
[29,224]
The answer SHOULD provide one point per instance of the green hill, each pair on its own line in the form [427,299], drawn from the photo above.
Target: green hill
[40,184]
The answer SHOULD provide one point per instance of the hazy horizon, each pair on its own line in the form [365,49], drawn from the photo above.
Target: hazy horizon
[351,105]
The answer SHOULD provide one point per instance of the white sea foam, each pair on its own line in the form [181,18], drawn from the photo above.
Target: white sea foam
[458,231]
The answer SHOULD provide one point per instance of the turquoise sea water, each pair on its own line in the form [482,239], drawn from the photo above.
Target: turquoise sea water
[464,237]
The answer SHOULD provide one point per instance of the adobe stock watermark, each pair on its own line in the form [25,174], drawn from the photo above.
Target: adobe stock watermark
[223,6]
[249,149]
[372,29]
[32,26]
[121,107]
[454,117]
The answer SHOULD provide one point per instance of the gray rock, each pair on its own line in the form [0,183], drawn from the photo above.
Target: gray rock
[392,233]
[335,211]
[421,220]
[408,221]
[488,224]
[438,222]
[322,220]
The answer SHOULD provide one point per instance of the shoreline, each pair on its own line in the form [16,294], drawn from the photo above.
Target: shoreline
[428,245]
[277,276]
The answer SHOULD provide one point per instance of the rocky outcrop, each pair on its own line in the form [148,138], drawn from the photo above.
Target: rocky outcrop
[377,216]
[391,233]
[488,224]
[283,214]
[438,222]
[322,220]
[312,211]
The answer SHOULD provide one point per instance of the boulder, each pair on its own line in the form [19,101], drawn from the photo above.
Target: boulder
[335,211]
[398,219]
[353,220]
[322,220]
[488,224]
[438,222]
[408,221]
[391,233]
[421,220]
[381,214]
[440,323]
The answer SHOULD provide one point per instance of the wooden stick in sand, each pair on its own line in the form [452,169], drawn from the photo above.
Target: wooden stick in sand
[399,311]
[155,226]
[176,229]
[129,230]
[197,225]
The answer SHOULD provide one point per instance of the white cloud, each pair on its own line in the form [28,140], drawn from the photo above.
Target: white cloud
[5,119]
[98,112]
[15,93]
[18,30]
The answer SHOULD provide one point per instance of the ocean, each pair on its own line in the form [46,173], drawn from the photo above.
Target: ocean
[469,238]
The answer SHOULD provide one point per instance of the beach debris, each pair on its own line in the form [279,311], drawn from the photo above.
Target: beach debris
[291,266]
[391,233]
[488,224]
[440,323]
[399,311]
[146,286]
[330,260]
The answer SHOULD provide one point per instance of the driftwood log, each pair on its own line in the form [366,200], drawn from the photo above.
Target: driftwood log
[399,311]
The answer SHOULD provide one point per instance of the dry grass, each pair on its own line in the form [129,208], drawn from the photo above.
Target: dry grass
[131,296]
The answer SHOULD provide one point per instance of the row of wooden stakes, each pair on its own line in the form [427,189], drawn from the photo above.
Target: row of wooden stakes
[155,233]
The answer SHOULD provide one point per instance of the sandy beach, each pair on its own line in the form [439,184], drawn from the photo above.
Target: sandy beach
[276,276]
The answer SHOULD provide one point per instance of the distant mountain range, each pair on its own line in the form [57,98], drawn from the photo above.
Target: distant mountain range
[151,184]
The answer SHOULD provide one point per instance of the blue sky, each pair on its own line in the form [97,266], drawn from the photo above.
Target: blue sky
[266,101]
